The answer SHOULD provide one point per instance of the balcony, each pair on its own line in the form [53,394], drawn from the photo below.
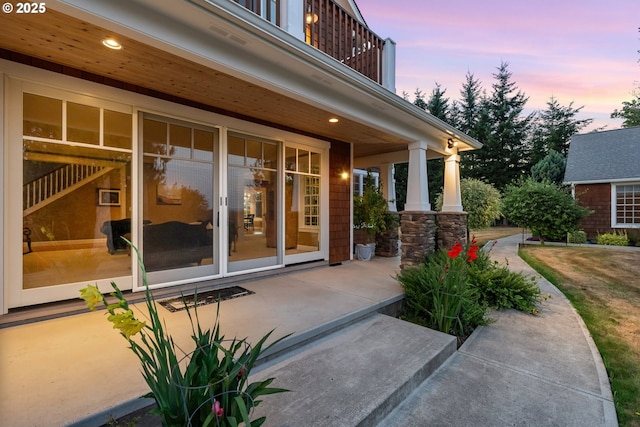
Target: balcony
[329,28]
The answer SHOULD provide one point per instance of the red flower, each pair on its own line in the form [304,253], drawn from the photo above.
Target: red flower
[472,255]
[455,250]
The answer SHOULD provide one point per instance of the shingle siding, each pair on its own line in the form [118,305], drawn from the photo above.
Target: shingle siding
[596,197]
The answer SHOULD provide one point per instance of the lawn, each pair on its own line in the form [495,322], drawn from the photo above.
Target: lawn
[604,287]
[485,234]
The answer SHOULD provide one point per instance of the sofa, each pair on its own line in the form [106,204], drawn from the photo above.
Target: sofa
[176,244]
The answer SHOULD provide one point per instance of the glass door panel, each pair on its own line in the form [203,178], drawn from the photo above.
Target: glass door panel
[302,205]
[76,197]
[179,222]
[253,218]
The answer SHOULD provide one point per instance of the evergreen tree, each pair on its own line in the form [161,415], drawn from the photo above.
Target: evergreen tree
[467,110]
[630,112]
[504,158]
[550,168]
[438,106]
[553,129]
[419,100]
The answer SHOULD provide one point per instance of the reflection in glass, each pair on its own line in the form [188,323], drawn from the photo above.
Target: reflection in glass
[177,197]
[83,123]
[75,208]
[252,203]
[42,116]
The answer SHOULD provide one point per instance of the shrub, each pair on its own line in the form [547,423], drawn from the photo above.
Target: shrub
[438,295]
[548,210]
[613,239]
[481,201]
[500,288]
[577,237]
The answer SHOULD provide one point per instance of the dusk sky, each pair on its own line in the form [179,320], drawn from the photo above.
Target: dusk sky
[585,51]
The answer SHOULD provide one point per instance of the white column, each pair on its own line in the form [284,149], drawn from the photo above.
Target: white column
[451,196]
[388,185]
[418,184]
[389,65]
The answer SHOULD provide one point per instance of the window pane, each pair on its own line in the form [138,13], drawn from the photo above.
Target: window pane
[83,123]
[315,163]
[270,155]
[180,141]
[303,161]
[203,145]
[117,129]
[42,116]
[290,159]
[155,137]
[254,153]
[236,150]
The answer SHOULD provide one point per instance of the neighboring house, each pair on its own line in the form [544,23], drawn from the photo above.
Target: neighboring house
[603,169]
[218,136]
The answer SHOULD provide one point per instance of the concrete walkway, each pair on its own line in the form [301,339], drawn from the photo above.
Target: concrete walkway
[522,370]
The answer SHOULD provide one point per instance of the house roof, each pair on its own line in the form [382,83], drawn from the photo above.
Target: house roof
[608,156]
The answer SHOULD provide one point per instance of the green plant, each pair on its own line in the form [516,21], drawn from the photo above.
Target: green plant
[548,210]
[438,295]
[213,388]
[480,200]
[370,210]
[613,239]
[550,168]
[578,237]
[500,288]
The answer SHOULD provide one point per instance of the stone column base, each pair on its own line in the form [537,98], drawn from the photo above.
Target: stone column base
[452,229]
[418,237]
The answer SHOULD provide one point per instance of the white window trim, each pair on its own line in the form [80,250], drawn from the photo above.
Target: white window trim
[614,223]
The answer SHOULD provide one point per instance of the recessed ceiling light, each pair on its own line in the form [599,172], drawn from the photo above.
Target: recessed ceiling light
[333,120]
[112,44]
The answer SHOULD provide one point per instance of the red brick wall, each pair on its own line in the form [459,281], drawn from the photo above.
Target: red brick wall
[596,197]
[339,203]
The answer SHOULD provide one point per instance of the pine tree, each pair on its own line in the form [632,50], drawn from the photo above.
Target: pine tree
[553,129]
[438,106]
[505,156]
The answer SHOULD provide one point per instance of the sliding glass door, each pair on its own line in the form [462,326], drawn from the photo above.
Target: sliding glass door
[179,224]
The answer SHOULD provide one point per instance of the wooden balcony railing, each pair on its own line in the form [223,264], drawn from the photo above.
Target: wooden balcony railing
[331,29]
[328,27]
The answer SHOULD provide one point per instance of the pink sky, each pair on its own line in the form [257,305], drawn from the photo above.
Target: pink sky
[583,51]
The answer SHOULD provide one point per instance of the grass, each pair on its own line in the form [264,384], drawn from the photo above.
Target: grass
[603,286]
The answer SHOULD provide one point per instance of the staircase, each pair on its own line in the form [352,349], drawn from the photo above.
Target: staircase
[58,183]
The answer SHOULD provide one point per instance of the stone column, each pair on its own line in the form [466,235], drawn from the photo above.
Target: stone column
[418,237]
[452,228]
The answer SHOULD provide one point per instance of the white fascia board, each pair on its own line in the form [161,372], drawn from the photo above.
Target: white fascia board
[257,51]
[629,180]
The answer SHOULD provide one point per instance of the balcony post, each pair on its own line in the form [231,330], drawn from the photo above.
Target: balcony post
[292,17]
[389,65]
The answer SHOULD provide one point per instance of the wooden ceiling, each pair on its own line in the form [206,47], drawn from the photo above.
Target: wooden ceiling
[67,41]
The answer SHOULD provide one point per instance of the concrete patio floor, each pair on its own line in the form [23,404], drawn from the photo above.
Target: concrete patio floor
[62,370]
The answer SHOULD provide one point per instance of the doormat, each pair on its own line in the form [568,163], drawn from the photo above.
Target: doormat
[203,298]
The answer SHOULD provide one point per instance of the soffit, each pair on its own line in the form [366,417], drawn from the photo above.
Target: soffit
[74,43]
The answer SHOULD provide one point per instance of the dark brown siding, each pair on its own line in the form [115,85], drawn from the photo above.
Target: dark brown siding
[596,197]
[339,203]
